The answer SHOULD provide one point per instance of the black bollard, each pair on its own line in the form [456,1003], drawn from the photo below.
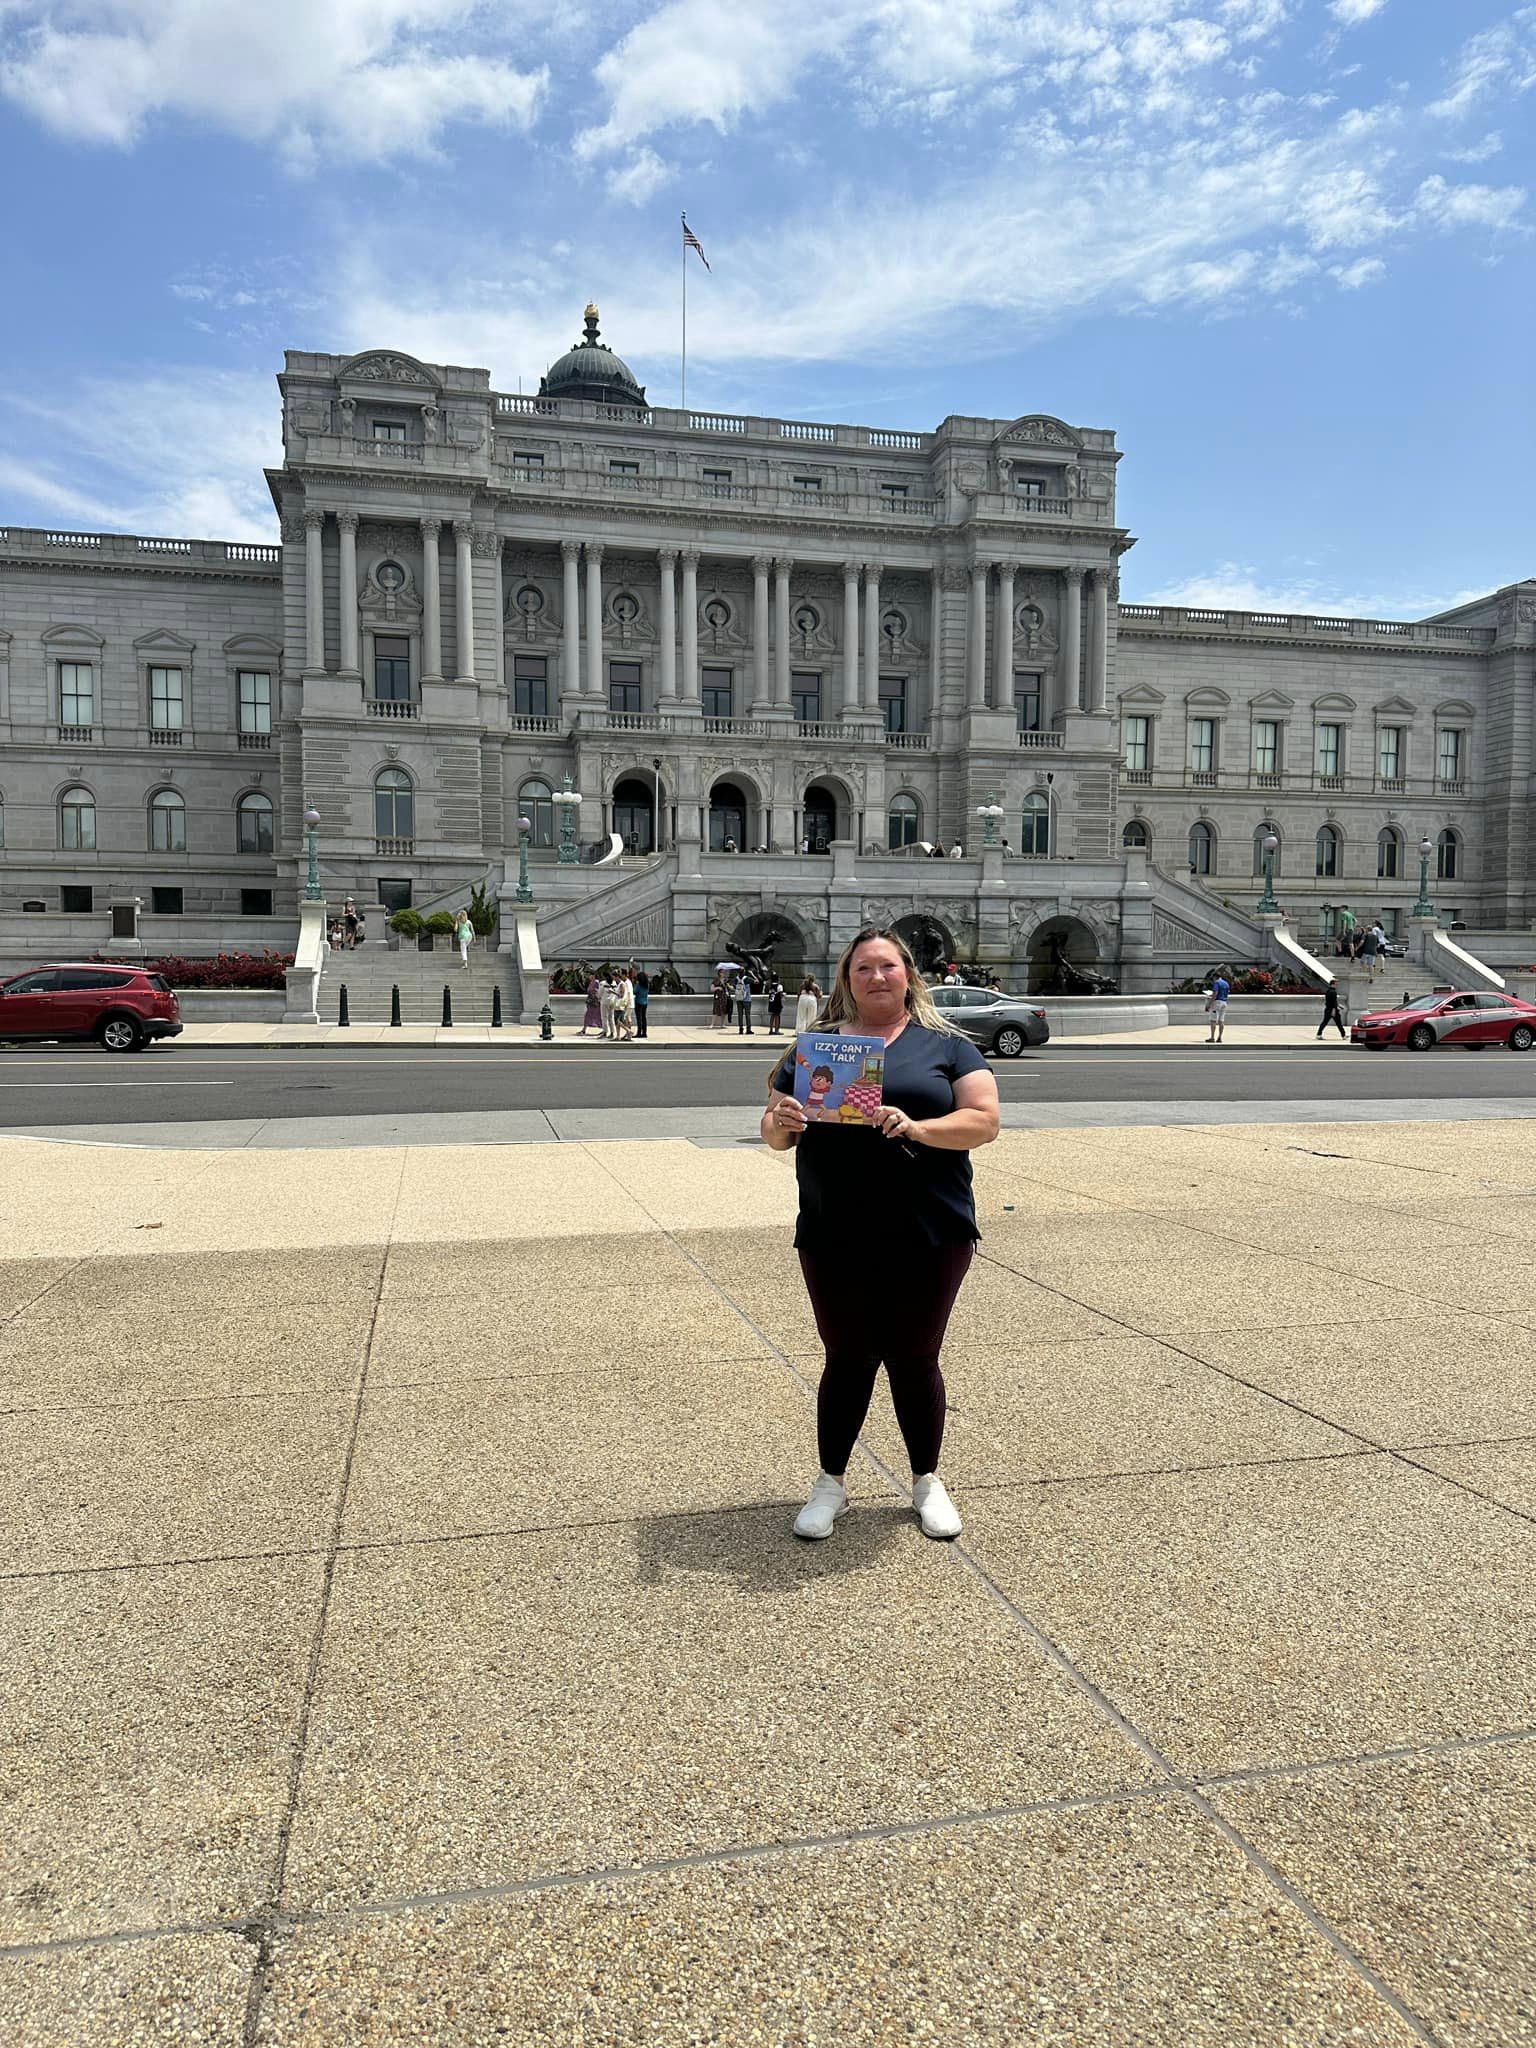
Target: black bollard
[495,1009]
[342,1017]
[447,1004]
[394,1005]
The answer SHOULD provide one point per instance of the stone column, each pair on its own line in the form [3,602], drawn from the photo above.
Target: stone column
[431,603]
[1002,648]
[570,659]
[935,649]
[346,590]
[762,695]
[666,628]
[1098,666]
[464,598]
[872,637]
[314,594]
[1071,686]
[595,619]
[976,641]
[781,696]
[493,542]
[850,638]
[691,627]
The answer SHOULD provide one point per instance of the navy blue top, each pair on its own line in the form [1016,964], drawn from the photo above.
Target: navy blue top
[858,1186]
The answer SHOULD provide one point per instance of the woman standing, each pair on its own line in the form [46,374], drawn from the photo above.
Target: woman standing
[607,991]
[900,1195]
[642,1003]
[464,933]
[807,1004]
[592,1015]
[775,1006]
[624,1006]
[720,1005]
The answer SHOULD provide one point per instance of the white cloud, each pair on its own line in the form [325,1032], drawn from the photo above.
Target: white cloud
[1478,152]
[1500,59]
[1363,271]
[363,80]
[1460,206]
[640,178]
[1237,586]
[1349,13]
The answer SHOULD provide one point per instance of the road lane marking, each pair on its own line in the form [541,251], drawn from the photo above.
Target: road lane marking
[116,1084]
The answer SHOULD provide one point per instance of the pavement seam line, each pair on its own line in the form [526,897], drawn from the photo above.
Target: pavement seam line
[260,1929]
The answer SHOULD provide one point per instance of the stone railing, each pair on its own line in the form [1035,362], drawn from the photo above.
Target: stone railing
[392,707]
[40,543]
[1048,739]
[1202,621]
[909,742]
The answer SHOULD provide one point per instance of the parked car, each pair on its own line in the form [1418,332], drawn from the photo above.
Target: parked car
[1470,1017]
[998,1023]
[122,1008]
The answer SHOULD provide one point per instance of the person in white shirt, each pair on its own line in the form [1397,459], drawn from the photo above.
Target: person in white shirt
[607,990]
[807,1005]
[624,1008]
[957,851]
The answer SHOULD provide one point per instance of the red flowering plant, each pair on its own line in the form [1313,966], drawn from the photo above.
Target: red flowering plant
[225,970]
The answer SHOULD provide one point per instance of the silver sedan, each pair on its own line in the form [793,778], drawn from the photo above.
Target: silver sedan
[997,1022]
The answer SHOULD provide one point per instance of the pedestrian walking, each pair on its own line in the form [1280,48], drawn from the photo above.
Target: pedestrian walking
[607,992]
[743,994]
[807,1004]
[895,1200]
[775,1005]
[1216,1006]
[1333,1012]
[464,934]
[720,1004]
[349,921]
[592,1015]
[642,1003]
[624,1006]
[1370,952]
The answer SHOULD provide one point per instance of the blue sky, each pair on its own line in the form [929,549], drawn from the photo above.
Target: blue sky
[1282,247]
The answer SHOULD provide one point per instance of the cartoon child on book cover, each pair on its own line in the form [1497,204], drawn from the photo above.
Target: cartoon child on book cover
[839,1079]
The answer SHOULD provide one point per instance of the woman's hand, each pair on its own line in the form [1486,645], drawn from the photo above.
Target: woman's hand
[895,1123]
[783,1121]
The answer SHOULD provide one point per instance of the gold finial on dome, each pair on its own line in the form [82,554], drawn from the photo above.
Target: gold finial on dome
[591,313]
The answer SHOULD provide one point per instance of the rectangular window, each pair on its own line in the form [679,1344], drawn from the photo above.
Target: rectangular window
[806,690]
[75,898]
[1138,745]
[1389,752]
[165,700]
[1028,691]
[1450,753]
[1029,486]
[527,458]
[623,686]
[893,703]
[255,902]
[717,476]
[1202,745]
[1391,923]
[77,693]
[255,700]
[165,902]
[530,685]
[1266,747]
[716,684]
[1329,748]
[391,667]
[893,493]
[388,430]
[623,468]
[806,483]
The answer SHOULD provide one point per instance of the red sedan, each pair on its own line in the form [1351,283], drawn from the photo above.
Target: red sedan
[1472,1017]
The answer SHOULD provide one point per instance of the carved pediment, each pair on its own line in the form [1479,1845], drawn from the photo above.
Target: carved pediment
[1140,693]
[383,366]
[1207,694]
[1040,430]
[1396,707]
[1335,701]
[163,641]
[1273,700]
[1454,707]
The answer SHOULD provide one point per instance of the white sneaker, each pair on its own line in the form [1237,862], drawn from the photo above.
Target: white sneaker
[829,1499]
[935,1510]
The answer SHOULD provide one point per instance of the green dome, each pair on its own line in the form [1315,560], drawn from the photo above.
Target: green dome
[592,372]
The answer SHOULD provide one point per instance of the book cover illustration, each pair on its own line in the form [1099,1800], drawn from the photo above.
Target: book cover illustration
[839,1079]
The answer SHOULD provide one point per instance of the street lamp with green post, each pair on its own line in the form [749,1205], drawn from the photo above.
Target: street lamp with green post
[1424,907]
[312,890]
[524,888]
[989,815]
[1268,907]
[569,801]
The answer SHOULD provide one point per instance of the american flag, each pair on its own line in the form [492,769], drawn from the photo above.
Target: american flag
[691,241]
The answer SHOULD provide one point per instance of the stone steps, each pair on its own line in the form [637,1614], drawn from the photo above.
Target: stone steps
[421,979]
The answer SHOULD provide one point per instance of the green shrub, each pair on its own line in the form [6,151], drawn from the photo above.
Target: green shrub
[407,923]
[483,915]
[440,924]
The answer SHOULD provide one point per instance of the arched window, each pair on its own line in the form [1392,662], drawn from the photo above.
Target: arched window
[1259,838]
[818,818]
[1136,834]
[253,817]
[394,805]
[903,821]
[1447,855]
[1327,850]
[1389,854]
[727,818]
[77,821]
[536,803]
[1202,847]
[1035,830]
[167,822]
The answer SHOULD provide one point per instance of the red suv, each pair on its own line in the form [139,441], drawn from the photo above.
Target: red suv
[121,1007]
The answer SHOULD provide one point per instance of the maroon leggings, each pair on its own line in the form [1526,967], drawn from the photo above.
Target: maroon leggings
[865,1326]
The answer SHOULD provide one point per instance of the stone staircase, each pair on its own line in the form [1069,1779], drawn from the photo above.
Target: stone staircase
[370,972]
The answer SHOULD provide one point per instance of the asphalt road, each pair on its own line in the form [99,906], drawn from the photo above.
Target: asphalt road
[168,1084]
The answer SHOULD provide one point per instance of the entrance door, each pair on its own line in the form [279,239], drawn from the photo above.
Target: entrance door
[632,816]
[820,816]
[727,818]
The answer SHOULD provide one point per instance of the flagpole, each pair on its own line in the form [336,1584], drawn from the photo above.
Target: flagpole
[683,252]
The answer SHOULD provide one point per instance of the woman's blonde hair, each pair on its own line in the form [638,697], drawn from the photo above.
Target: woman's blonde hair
[841,1007]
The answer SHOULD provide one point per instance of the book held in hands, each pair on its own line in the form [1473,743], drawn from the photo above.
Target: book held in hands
[839,1079]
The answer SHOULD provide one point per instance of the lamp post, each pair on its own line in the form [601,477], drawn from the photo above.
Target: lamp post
[1268,907]
[524,890]
[656,806]
[989,815]
[312,890]
[569,801]
[1424,907]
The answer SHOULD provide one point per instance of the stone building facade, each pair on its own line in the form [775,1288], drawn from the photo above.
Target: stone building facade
[742,640]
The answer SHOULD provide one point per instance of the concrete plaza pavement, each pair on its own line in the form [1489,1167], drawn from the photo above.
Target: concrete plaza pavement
[1254,1036]
[403,1641]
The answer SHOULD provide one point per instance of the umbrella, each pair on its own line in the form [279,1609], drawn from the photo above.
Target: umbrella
[721,965]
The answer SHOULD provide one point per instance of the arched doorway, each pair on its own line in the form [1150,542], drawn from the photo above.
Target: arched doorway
[1056,948]
[818,818]
[931,943]
[634,814]
[727,819]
